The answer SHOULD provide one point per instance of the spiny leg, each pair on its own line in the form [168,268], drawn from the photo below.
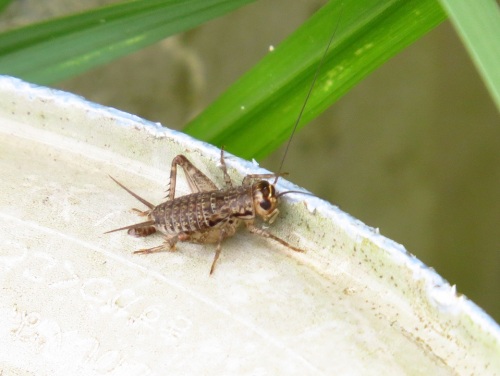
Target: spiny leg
[168,245]
[226,231]
[216,257]
[249,178]
[218,249]
[227,178]
[142,213]
[265,234]
[197,180]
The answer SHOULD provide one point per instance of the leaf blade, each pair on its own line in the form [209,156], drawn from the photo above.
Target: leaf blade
[478,24]
[266,101]
[57,49]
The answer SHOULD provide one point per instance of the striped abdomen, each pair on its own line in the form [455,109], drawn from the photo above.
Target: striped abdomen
[203,211]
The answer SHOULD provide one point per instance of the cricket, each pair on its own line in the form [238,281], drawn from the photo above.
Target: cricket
[210,214]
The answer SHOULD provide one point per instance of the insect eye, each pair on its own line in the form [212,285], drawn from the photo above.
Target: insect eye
[265,189]
[265,204]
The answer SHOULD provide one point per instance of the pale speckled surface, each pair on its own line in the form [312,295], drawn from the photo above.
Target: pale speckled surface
[75,301]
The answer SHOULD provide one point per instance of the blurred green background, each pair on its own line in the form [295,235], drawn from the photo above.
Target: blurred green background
[414,150]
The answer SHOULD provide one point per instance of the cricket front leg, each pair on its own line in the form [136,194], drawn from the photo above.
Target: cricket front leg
[265,234]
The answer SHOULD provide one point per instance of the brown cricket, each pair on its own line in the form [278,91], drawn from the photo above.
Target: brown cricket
[209,214]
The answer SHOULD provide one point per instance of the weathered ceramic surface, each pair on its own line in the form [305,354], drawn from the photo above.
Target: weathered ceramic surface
[76,301]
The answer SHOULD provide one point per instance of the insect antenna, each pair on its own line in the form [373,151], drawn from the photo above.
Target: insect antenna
[316,74]
[301,192]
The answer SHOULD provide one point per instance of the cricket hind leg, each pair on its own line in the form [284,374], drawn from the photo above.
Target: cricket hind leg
[197,180]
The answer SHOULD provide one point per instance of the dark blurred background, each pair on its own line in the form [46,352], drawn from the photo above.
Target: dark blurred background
[414,150]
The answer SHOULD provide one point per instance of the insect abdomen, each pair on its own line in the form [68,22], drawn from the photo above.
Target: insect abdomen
[202,211]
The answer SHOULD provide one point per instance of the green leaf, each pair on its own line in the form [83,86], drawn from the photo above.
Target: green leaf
[4,4]
[57,49]
[478,24]
[257,114]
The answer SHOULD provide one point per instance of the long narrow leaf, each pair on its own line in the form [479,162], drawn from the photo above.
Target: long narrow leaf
[264,104]
[4,4]
[61,48]
[478,23]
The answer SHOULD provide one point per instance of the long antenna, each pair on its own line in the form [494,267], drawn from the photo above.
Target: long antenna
[316,74]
